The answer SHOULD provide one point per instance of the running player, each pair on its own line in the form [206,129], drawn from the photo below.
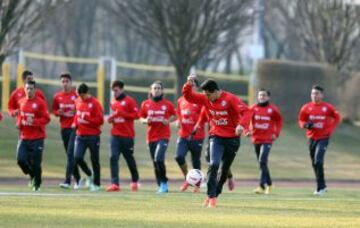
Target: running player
[88,121]
[124,112]
[158,112]
[320,120]
[33,115]
[19,93]
[266,125]
[229,117]
[189,138]
[63,106]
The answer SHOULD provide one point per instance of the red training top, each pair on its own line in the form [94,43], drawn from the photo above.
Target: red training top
[65,102]
[16,95]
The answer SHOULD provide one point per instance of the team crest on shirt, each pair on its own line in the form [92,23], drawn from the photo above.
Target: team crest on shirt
[195,105]
[223,103]
[269,110]
[123,103]
[163,107]
[19,94]
[34,106]
[324,109]
[90,105]
[73,98]
[60,98]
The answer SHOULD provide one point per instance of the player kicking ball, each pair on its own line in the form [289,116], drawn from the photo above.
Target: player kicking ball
[228,117]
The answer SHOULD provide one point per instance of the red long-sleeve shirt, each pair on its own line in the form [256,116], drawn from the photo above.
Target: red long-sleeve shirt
[324,117]
[32,119]
[225,113]
[89,117]
[188,115]
[65,102]
[17,95]
[157,112]
[266,121]
[125,111]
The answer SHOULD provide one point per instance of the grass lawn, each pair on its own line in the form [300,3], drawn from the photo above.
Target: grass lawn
[287,207]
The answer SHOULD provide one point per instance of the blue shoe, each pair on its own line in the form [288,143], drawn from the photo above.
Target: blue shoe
[163,187]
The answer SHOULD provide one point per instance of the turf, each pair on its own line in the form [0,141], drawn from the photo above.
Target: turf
[287,207]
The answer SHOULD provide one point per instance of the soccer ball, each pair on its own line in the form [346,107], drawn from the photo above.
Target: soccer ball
[194,177]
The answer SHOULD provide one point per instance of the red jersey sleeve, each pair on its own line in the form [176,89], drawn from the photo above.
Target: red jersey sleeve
[55,106]
[1,116]
[303,116]
[143,110]
[12,103]
[132,114]
[178,111]
[336,117]
[278,122]
[172,111]
[203,118]
[190,96]
[245,114]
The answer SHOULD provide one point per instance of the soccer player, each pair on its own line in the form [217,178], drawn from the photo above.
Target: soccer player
[189,138]
[19,93]
[229,117]
[320,120]
[158,112]
[88,121]
[63,106]
[202,120]
[33,115]
[266,125]
[124,112]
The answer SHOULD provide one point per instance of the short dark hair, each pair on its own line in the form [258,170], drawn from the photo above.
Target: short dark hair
[26,73]
[318,88]
[31,82]
[82,88]
[265,90]
[65,75]
[117,83]
[209,85]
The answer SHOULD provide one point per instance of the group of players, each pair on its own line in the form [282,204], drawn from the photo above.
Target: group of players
[81,117]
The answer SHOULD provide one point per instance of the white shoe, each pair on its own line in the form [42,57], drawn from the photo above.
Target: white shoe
[79,184]
[64,185]
[94,188]
[88,181]
[321,192]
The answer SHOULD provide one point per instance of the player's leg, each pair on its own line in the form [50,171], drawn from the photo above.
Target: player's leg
[80,149]
[23,158]
[182,147]
[159,159]
[231,147]
[37,147]
[94,147]
[195,149]
[312,149]
[152,149]
[128,152]
[265,179]
[217,148]
[319,164]
[72,167]
[114,163]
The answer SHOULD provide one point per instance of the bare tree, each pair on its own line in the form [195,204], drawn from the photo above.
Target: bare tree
[184,29]
[323,30]
[18,17]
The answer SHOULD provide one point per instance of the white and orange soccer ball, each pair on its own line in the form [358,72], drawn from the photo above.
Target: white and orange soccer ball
[195,177]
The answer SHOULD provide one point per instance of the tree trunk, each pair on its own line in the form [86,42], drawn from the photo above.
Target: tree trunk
[181,76]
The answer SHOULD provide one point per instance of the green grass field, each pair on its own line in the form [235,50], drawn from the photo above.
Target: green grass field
[286,207]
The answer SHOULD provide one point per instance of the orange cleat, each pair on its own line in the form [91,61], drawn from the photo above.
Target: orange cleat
[113,188]
[212,202]
[134,186]
[184,186]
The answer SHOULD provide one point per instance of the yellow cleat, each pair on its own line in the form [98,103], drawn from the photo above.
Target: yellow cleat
[268,189]
[259,190]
